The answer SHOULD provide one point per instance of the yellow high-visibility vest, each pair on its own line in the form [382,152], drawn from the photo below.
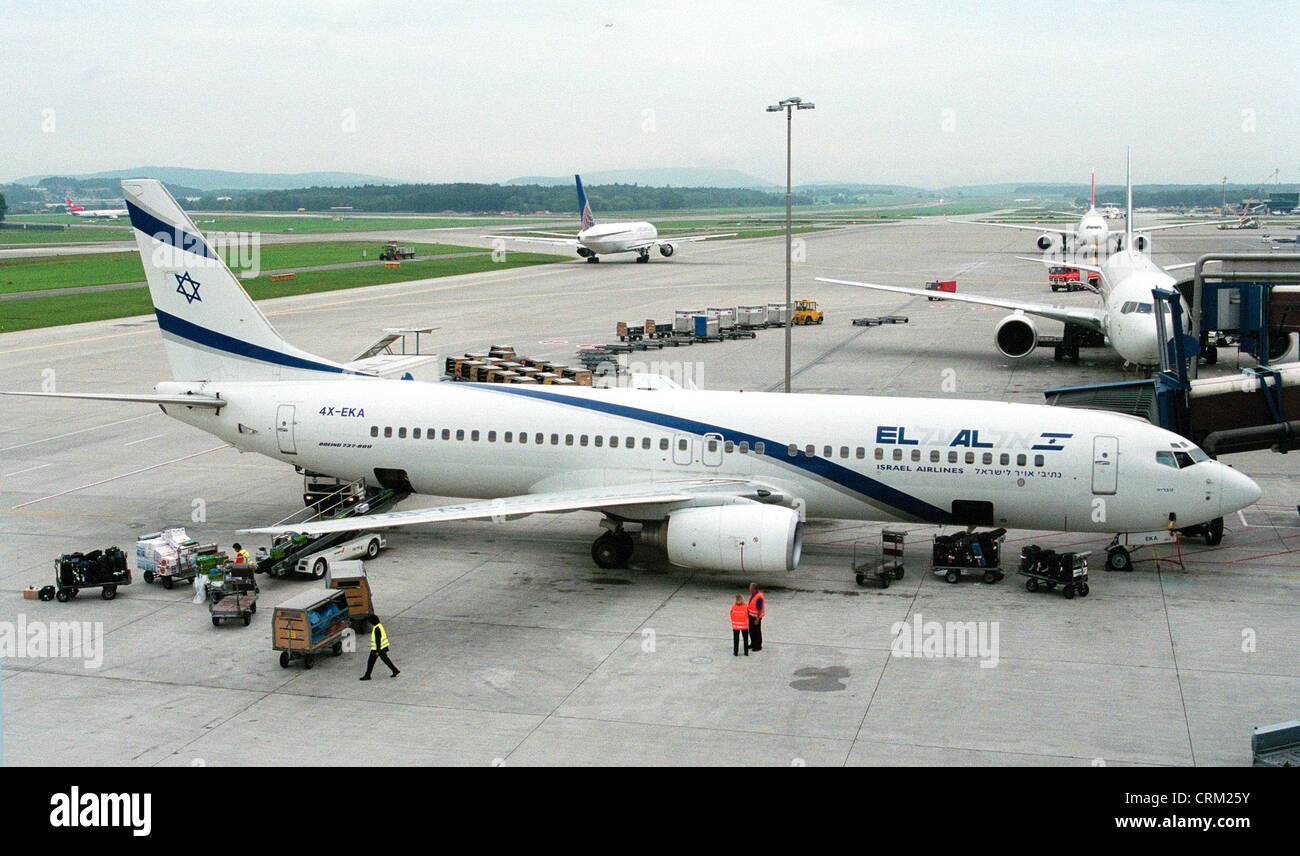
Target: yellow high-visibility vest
[378,638]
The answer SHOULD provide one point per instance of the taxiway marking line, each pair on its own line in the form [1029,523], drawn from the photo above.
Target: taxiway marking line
[122,476]
[78,431]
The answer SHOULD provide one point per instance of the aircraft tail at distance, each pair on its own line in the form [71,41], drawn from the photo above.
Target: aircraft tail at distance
[584,207]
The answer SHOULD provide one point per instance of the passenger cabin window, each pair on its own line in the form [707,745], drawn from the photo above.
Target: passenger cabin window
[415,433]
[792,450]
[460,433]
[935,455]
[446,433]
[759,448]
[952,457]
[1038,460]
[916,454]
[880,454]
[1020,460]
[663,444]
[898,454]
[388,431]
[374,430]
[861,452]
[473,436]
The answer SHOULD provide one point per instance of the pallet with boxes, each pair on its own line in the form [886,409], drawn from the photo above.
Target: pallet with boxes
[501,364]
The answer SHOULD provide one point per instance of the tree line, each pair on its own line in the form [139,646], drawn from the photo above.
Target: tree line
[464,198]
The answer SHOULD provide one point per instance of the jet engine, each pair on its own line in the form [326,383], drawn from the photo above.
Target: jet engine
[1015,335]
[666,250]
[745,537]
[1140,242]
[1044,242]
[584,252]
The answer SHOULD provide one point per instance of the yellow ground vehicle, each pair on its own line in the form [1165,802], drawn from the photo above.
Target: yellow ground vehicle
[806,312]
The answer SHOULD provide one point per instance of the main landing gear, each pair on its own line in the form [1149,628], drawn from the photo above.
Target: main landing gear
[643,256]
[593,259]
[613,549]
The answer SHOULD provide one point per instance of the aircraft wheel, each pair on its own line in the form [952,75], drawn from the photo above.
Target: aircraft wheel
[606,551]
[1214,532]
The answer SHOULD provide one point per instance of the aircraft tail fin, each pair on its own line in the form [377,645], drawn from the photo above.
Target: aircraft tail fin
[72,206]
[211,328]
[584,207]
[1128,205]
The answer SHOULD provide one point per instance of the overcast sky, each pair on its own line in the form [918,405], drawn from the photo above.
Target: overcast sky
[927,93]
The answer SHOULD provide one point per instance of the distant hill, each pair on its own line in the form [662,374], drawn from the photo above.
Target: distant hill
[667,177]
[216,179]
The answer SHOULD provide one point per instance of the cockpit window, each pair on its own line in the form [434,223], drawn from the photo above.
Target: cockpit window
[1133,306]
[1181,460]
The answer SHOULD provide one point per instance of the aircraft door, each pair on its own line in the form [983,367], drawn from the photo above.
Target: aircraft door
[711,456]
[1105,464]
[284,425]
[683,450]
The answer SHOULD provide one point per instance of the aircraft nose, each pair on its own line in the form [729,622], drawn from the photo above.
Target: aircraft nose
[1239,491]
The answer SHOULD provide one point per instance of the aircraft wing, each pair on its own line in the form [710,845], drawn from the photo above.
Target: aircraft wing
[1161,228]
[683,239]
[1090,318]
[582,499]
[553,241]
[1024,227]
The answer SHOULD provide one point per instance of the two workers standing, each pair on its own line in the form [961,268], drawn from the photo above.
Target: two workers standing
[747,621]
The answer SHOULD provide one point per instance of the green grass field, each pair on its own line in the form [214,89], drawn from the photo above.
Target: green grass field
[32,312]
[49,272]
[73,235]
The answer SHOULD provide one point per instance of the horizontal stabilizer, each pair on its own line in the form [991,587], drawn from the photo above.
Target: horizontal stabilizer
[142,397]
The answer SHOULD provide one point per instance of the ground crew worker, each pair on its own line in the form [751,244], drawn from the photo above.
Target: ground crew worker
[241,555]
[757,609]
[739,626]
[378,648]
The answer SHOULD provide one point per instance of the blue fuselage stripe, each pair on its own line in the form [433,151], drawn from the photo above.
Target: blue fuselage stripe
[192,332]
[817,466]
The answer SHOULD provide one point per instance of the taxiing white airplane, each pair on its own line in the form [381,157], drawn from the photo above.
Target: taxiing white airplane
[1126,316]
[594,240]
[105,213]
[1091,236]
[720,480]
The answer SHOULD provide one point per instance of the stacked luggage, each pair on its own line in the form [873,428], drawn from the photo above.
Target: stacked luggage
[104,569]
[169,556]
[1048,569]
[979,553]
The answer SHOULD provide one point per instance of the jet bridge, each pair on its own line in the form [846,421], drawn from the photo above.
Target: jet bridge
[1256,409]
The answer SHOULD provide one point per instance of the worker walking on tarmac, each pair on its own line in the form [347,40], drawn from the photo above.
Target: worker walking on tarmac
[739,626]
[757,609]
[378,648]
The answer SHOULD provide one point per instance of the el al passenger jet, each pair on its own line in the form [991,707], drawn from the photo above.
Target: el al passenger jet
[595,240]
[720,480]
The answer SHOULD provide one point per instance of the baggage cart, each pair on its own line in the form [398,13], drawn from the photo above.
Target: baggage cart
[167,557]
[969,554]
[234,604]
[305,626]
[350,578]
[1046,569]
[101,569]
[880,565]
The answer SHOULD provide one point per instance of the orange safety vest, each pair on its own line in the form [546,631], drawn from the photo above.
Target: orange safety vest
[754,611]
[739,617]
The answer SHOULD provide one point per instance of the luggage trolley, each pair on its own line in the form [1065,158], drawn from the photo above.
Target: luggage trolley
[1047,569]
[102,569]
[963,553]
[889,560]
